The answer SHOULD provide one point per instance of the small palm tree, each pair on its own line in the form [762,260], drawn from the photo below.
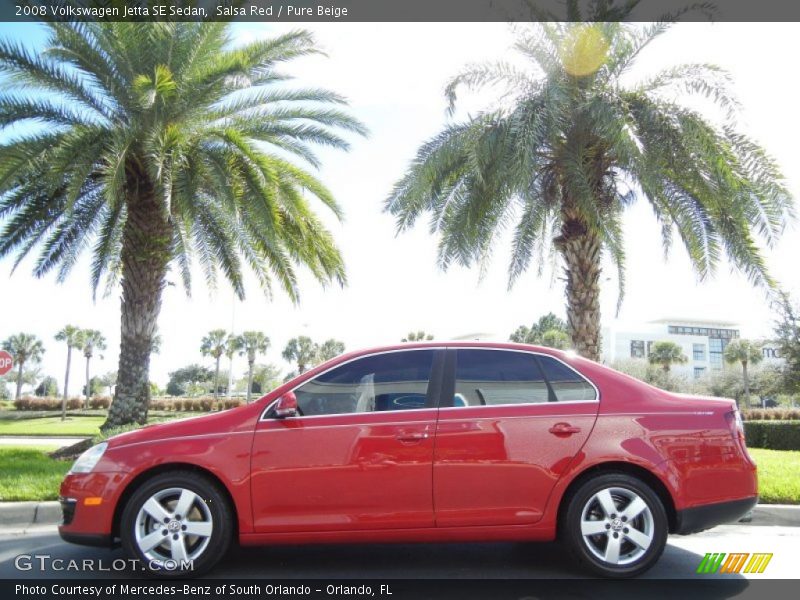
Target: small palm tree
[329,349]
[215,344]
[25,348]
[666,354]
[90,341]
[301,350]
[72,336]
[745,352]
[573,145]
[153,144]
[417,336]
[251,344]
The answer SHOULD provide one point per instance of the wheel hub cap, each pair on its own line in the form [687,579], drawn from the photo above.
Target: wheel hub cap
[616,524]
[174,525]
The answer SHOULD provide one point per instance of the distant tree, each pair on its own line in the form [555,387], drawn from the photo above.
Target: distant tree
[25,348]
[251,344]
[72,336]
[96,387]
[329,349]
[553,338]
[109,380]
[666,354]
[787,334]
[190,376]
[302,351]
[417,336]
[651,373]
[155,343]
[91,341]
[4,395]
[215,344]
[265,378]
[48,387]
[744,352]
[535,334]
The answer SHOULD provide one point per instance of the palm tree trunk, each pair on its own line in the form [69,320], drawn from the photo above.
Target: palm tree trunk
[580,250]
[66,384]
[19,381]
[746,380]
[216,379]
[146,248]
[249,380]
[88,386]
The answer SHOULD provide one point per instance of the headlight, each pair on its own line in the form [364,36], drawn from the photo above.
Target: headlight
[87,461]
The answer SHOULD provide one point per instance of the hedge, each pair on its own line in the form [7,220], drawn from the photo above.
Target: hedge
[771,414]
[773,435]
[204,404]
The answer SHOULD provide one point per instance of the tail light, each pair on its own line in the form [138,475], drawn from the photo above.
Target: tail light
[736,424]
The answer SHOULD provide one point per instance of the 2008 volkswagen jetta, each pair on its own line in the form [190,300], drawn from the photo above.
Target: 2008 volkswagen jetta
[423,442]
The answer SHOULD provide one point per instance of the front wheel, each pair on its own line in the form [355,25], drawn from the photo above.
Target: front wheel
[615,525]
[177,524]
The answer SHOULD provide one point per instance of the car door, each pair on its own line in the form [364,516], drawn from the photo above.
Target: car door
[515,421]
[359,455]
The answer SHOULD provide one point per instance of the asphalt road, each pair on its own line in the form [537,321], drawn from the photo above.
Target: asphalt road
[425,561]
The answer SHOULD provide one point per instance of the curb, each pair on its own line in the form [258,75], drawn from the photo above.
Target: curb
[19,516]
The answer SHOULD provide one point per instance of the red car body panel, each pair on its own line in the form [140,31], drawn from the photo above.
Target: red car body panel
[446,474]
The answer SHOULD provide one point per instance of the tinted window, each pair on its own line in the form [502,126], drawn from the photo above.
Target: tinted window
[486,377]
[392,381]
[567,385]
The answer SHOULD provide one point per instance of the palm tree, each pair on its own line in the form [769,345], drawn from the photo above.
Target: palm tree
[328,350]
[745,352]
[251,344]
[301,350]
[71,335]
[153,143]
[90,340]
[417,336]
[666,354]
[572,145]
[25,348]
[215,344]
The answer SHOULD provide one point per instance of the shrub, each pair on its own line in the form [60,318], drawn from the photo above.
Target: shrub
[771,414]
[99,402]
[74,403]
[773,435]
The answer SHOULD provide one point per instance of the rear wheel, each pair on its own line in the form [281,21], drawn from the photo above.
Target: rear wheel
[615,525]
[177,524]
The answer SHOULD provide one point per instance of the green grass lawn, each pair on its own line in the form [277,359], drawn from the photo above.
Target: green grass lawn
[27,473]
[53,426]
[778,475]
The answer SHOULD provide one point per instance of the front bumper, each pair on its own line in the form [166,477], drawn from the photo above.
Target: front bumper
[89,523]
[698,518]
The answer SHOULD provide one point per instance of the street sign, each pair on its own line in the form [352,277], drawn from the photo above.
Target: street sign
[6,362]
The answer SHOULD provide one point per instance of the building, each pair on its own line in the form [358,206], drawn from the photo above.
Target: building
[703,343]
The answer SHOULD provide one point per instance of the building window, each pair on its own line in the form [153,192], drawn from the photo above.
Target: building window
[699,372]
[726,334]
[650,347]
[769,352]
[716,346]
[699,351]
[637,348]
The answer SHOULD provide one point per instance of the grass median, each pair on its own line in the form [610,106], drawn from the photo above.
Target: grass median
[52,426]
[27,473]
[778,475]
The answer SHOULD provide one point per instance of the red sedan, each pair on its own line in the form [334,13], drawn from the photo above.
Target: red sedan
[422,443]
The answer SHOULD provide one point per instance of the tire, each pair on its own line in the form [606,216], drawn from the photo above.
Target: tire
[624,543]
[202,535]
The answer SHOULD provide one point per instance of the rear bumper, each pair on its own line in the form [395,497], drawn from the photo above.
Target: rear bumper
[698,518]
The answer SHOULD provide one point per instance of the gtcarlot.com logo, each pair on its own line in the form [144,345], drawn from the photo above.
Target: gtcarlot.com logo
[44,562]
[736,562]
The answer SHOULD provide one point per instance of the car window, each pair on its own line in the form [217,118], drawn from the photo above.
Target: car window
[567,385]
[382,382]
[492,377]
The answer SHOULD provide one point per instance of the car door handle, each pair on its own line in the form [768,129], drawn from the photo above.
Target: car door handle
[412,437]
[564,429]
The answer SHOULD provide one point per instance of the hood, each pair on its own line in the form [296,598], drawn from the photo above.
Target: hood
[232,420]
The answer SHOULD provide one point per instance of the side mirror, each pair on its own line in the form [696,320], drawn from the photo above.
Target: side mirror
[286,406]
